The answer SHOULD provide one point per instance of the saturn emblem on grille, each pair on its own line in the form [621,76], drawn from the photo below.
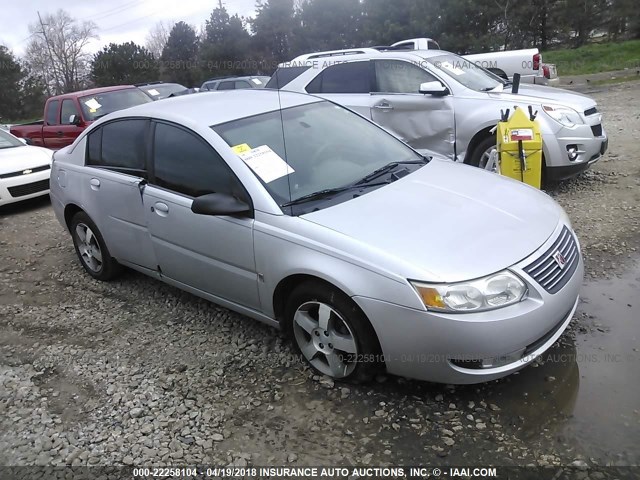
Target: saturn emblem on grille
[27,171]
[560,260]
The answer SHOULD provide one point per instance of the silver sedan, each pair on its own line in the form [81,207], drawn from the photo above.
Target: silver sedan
[302,214]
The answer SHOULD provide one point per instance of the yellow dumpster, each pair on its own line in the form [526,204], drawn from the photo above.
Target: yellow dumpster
[519,145]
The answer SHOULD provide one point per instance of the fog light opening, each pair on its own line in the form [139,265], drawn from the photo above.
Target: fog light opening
[572,152]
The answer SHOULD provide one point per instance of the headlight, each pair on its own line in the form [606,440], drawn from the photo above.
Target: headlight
[563,115]
[489,293]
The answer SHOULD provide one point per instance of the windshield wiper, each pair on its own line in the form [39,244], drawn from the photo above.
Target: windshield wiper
[388,168]
[328,192]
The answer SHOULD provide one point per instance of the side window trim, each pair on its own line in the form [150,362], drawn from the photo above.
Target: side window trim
[151,164]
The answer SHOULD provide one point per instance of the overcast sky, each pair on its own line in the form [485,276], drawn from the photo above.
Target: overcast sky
[118,20]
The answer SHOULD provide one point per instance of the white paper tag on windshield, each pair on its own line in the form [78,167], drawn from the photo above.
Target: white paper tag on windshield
[266,163]
[154,92]
[256,81]
[92,104]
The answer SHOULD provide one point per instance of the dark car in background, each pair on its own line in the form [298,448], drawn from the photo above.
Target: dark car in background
[234,83]
[162,90]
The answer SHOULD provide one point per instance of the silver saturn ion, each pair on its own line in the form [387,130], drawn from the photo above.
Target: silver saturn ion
[302,214]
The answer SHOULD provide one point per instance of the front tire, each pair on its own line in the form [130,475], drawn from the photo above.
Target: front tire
[331,333]
[91,248]
[480,155]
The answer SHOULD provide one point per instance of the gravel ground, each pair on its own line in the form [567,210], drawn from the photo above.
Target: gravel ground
[135,372]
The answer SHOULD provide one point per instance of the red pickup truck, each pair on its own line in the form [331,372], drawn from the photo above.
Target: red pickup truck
[66,116]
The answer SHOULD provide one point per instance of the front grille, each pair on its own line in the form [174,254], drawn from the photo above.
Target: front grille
[22,172]
[597,130]
[29,188]
[547,271]
[591,111]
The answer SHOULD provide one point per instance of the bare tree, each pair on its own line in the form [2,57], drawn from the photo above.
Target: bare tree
[57,50]
[157,38]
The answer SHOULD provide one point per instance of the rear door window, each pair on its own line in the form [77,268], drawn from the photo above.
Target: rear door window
[354,77]
[284,76]
[227,86]
[52,112]
[119,145]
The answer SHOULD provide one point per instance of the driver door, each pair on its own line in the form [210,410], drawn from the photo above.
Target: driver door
[422,121]
[213,254]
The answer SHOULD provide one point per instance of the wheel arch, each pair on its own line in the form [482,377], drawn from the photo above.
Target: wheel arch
[70,211]
[476,140]
[284,288]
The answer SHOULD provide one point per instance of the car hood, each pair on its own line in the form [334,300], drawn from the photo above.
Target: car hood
[22,158]
[445,222]
[538,94]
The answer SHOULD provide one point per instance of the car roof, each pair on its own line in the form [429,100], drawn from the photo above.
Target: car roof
[245,77]
[213,108]
[94,91]
[324,59]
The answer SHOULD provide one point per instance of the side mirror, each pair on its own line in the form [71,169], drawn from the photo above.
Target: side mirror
[26,141]
[434,88]
[215,204]
[75,120]
[23,140]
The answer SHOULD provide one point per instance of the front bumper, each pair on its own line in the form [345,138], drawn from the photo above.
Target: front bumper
[474,347]
[589,142]
[24,187]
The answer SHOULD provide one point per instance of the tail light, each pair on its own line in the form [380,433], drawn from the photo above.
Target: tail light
[546,72]
[537,58]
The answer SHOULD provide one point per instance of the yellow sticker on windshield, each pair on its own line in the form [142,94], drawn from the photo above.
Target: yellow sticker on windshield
[92,110]
[238,149]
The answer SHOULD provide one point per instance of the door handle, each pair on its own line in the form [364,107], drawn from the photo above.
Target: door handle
[384,106]
[60,133]
[161,209]
[95,184]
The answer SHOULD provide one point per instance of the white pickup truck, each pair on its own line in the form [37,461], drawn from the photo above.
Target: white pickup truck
[528,62]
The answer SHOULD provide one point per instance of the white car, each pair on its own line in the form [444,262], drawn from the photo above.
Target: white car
[24,170]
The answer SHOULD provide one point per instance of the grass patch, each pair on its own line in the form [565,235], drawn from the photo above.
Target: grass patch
[602,57]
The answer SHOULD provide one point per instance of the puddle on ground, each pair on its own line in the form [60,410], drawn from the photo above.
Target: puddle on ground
[587,391]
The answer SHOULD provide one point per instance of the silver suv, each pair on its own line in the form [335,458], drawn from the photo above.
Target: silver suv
[439,101]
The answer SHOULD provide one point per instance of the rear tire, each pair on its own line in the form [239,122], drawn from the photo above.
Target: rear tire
[331,333]
[91,249]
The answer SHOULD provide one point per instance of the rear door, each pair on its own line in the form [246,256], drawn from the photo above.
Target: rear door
[423,121]
[211,254]
[349,84]
[52,133]
[115,178]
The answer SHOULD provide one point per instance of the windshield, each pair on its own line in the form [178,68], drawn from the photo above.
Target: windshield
[101,104]
[9,141]
[327,147]
[161,91]
[465,72]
